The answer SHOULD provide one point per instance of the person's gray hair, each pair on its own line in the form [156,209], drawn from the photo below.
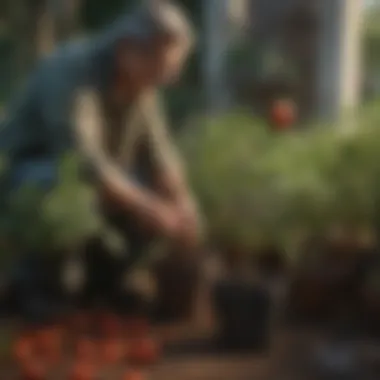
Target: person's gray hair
[149,20]
[171,19]
[161,17]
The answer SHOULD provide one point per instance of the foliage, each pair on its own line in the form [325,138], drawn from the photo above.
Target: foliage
[36,220]
[372,38]
[70,208]
[256,185]
[97,14]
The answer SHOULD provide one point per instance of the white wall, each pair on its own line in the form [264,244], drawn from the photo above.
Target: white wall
[223,20]
[339,75]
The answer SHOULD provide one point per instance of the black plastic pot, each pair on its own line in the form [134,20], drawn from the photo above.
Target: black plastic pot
[244,314]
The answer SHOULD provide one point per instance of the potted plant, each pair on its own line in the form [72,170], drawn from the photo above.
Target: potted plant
[242,308]
[256,186]
[312,288]
[241,301]
[370,294]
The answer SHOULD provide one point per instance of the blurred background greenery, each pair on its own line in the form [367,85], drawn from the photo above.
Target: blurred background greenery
[271,177]
[255,184]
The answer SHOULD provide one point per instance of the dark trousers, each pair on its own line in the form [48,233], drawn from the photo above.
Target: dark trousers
[105,273]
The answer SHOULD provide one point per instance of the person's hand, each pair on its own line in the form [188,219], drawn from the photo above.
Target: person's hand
[154,214]
[165,220]
[178,221]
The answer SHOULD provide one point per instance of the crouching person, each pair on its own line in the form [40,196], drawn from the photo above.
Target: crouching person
[100,98]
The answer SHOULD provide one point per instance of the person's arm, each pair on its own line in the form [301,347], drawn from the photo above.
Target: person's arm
[108,175]
[169,171]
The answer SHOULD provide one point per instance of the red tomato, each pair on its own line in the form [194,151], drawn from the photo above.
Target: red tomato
[283,114]
[23,349]
[33,370]
[86,349]
[133,375]
[110,324]
[143,351]
[81,322]
[137,327]
[49,339]
[112,351]
[83,371]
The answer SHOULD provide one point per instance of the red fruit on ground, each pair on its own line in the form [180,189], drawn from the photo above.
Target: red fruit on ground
[283,114]
[133,375]
[86,349]
[54,356]
[23,349]
[137,327]
[143,351]
[49,339]
[80,322]
[113,351]
[83,371]
[33,370]
[110,324]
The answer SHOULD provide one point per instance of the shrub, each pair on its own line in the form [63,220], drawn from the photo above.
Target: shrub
[45,222]
[255,185]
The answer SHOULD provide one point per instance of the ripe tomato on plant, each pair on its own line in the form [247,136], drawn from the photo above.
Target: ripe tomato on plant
[283,114]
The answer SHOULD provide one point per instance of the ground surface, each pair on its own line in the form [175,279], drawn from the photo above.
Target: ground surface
[212,368]
[288,359]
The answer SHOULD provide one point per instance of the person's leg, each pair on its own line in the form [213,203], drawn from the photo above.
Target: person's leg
[115,269]
[137,242]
